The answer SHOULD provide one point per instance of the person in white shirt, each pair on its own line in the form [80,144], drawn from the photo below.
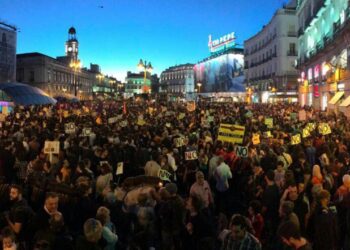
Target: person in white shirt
[222,174]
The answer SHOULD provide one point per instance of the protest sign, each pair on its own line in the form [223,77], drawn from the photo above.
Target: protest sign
[231,133]
[87,131]
[311,126]
[141,122]
[164,175]
[69,128]
[181,116]
[306,133]
[112,120]
[52,147]
[168,125]
[268,134]
[191,155]
[120,168]
[269,122]
[65,113]
[123,124]
[324,129]
[296,139]
[256,139]
[242,151]
[180,141]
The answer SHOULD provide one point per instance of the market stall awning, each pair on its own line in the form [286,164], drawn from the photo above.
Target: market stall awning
[24,94]
[336,97]
[346,102]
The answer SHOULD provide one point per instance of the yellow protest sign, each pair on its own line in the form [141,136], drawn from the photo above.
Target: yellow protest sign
[256,139]
[296,139]
[181,116]
[65,113]
[324,129]
[306,133]
[141,122]
[311,126]
[231,133]
[268,134]
[269,122]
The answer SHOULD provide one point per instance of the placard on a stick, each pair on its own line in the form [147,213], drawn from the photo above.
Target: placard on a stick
[191,155]
[69,128]
[120,168]
[164,175]
[52,147]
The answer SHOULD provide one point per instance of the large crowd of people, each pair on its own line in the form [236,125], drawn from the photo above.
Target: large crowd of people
[149,175]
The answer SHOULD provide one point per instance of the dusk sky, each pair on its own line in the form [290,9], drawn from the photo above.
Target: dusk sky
[165,32]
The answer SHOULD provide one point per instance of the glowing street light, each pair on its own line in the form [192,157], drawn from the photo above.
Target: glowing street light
[143,66]
[75,66]
[199,87]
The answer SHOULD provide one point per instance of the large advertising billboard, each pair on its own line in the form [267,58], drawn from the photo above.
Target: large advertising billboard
[223,73]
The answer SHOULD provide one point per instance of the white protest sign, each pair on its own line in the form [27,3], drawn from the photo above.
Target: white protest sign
[87,131]
[242,151]
[123,124]
[191,155]
[164,175]
[120,168]
[69,128]
[52,147]
[180,141]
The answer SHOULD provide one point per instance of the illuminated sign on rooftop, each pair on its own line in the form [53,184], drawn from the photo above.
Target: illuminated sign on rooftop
[224,42]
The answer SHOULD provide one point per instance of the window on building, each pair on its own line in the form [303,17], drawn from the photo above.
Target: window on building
[31,76]
[292,48]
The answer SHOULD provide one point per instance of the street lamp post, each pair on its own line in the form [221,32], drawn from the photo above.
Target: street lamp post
[145,68]
[75,65]
[199,87]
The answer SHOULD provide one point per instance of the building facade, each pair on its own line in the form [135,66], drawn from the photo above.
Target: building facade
[323,59]
[8,44]
[269,58]
[137,83]
[178,79]
[64,76]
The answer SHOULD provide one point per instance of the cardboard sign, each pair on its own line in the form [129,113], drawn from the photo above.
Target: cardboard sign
[231,133]
[306,133]
[52,147]
[302,115]
[269,122]
[120,168]
[324,129]
[69,128]
[296,139]
[86,131]
[164,175]
[179,142]
[242,151]
[256,139]
[191,155]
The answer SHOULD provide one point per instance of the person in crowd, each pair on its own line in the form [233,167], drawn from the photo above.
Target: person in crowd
[92,236]
[108,231]
[290,235]
[8,239]
[202,189]
[222,175]
[287,214]
[44,214]
[256,219]
[239,238]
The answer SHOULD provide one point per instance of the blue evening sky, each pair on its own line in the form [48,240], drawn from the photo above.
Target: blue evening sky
[165,32]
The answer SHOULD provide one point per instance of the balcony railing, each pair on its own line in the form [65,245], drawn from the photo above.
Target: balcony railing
[292,34]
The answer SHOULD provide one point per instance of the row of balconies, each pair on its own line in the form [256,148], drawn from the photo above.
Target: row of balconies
[319,4]
[261,62]
[258,48]
[263,77]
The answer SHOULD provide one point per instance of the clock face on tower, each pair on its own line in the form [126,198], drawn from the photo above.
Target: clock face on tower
[70,49]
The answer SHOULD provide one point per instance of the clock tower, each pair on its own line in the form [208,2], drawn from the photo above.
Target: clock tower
[72,45]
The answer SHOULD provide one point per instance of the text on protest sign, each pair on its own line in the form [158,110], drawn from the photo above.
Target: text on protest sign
[269,122]
[164,175]
[191,155]
[52,147]
[242,151]
[69,128]
[180,141]
[296,139]
[256,139]
[87,131]
[231,133]
[324,129]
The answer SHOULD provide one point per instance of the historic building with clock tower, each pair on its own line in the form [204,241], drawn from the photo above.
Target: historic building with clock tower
[72,45]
